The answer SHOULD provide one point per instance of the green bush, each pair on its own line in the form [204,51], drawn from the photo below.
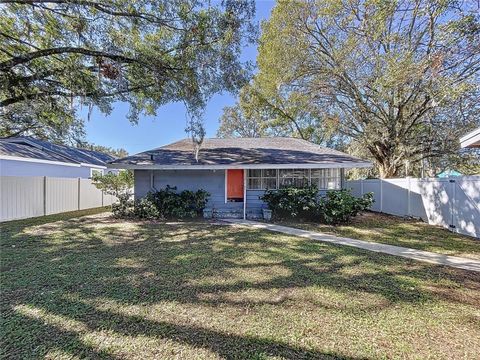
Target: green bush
[293,202]
[124,207]
[338,206]
[169,204]
[145,208]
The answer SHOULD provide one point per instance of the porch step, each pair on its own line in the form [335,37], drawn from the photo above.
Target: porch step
[231,214]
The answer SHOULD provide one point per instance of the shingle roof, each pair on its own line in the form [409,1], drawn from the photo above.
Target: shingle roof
[238,152]
[29,147]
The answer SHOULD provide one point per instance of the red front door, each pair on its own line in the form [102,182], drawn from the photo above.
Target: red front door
[235,184]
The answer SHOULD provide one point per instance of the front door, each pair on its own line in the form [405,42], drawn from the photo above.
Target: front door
[235,185]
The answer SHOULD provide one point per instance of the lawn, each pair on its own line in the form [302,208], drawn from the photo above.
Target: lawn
[96,287]
[394,230]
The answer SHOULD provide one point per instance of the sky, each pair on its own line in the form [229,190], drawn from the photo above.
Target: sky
[169,124]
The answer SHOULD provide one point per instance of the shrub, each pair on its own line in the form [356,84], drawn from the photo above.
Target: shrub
[340,206]
[145,208]
[293,202]
[168,203]
[124,207]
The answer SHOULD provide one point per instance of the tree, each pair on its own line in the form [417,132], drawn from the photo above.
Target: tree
[117,153]
[118,184]
[398,76]
[57,55]
[263,110]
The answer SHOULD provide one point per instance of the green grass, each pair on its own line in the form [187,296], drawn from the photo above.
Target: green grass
[96,287]
[394,230]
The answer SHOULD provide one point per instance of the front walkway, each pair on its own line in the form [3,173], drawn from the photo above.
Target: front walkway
[427,256]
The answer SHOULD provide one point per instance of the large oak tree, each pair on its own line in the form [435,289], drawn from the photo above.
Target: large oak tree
[57,55]
[401,76]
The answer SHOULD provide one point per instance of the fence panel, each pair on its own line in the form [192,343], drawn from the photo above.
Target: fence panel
[61,195]
[374,187]
[23,197]
[451,202]
[467,206]
[395,189]
[90,196]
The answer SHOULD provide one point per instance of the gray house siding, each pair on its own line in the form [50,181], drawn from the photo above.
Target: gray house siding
[212,181]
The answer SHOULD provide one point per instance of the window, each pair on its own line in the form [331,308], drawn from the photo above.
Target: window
[297,178]
[262,179]
[326,178]
[96,172]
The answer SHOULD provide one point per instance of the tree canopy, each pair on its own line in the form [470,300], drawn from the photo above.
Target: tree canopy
[399,79]
[59,55]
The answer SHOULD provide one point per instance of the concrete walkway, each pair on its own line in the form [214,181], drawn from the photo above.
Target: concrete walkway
[430,257]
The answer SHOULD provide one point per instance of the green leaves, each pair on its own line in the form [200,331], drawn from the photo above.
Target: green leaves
[338,206]
[63,55]
[399,76]
[115,184]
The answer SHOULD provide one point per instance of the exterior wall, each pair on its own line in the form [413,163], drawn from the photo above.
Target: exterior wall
[25,168]
[212,181]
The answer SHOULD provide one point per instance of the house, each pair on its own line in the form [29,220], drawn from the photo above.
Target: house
[236,172]
[27,156]
[471,140]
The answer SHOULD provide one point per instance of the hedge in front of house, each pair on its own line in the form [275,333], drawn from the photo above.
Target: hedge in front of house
[337,206]
[164,204]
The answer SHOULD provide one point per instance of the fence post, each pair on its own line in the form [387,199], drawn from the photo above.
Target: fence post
[361,187]
[452,206]
[381,195]
[408,197]
[78,193]
[44,195]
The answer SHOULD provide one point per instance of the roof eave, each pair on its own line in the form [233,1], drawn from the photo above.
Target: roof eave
[472,139]
[346,165]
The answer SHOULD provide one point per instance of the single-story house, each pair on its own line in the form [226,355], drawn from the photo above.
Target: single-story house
[236,172]
[471,140]
[27,156]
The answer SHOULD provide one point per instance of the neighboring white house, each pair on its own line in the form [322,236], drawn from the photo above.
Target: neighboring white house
[471,140]
[26,156]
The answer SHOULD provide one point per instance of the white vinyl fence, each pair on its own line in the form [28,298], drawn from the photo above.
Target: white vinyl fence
[29,196]
[450,202]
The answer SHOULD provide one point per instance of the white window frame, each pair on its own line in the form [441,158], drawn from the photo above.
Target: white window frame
[332,174]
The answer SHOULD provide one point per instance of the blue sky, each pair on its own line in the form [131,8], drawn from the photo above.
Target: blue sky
[169,124]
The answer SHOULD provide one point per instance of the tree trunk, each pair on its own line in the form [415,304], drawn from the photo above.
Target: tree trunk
[387,162]
[387,170]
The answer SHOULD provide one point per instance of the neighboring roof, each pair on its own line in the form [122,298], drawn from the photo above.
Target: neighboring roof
[28,147]
[280,152]
[471,140]
[449,173]
[27,151]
